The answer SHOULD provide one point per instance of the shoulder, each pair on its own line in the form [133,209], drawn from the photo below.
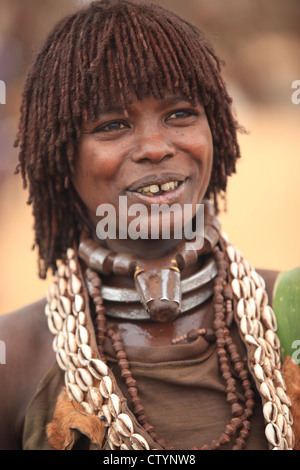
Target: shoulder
[27,352]
[30,316]
[25,333]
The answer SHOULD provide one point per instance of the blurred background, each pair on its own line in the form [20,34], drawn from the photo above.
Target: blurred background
[260,43]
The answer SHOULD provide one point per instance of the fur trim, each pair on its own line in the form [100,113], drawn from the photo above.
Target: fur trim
[291,374]
[69,422]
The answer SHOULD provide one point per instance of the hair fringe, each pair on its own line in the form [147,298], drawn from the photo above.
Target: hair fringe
[109,52]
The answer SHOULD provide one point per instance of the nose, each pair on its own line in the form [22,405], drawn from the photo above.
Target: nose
[152,145]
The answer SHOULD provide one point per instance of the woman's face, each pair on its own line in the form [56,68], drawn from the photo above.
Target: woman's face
[160,153]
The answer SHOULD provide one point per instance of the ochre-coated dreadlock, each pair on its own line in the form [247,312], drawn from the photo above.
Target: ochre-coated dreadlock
[110,52]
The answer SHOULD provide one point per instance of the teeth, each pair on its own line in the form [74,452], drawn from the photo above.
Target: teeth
[146,189]
[169,186]
[154,188]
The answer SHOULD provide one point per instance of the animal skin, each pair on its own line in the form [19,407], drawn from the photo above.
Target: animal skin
[69,422]
[291,374]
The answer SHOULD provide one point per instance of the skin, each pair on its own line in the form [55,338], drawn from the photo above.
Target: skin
[114,153]
[155,139]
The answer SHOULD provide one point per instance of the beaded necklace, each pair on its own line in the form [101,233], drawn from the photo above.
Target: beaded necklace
[239,425]
[239,293]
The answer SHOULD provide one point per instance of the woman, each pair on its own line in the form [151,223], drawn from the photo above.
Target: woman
[146,343]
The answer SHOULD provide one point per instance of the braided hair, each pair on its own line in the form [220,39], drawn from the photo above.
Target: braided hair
[112,51]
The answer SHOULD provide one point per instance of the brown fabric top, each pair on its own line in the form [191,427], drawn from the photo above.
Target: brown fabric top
[40,410]
[184,395]
[181,389]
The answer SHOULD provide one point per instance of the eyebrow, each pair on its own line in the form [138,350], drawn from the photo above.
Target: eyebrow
[174,99]
[166,101]
[111,110]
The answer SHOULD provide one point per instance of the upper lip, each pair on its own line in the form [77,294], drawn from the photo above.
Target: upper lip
[155,179]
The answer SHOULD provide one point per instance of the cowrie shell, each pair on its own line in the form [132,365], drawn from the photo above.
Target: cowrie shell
[283,396]
[124,425]
[235,284]
[234,269]
[273,434]
[114,437]
[259,373]
[107,414]
[74,362]
[85,352]
[106,386]
[87,408]
[287,414]
[268,317]
[94,398]
[250,340]
[70,324]
[231,253]
[246,326]
[62,285]
[256,278]
[70,253]
[97,368]
[76,284]
[72,343]
[61,270]
[78,303]
[259,355]
[82,335]
[290,437]
[84,379]
[241,308]
[81,318]
[138,442]
[272,339]
[270,412]
[51,324]
[279,380]
[267,391]
[66,304]
[114,404]
[75,393]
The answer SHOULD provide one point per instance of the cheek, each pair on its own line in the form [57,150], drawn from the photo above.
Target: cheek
[202,145]
[94,180]
[209,152]
[203,161]
[207,142]
[94,166]
[86,175]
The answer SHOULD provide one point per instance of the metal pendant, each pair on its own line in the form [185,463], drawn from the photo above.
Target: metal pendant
[159,291]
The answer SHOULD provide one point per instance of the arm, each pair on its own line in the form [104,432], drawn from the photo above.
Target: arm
[29,355]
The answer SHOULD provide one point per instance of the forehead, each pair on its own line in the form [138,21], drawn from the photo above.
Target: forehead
[167,100]
[135,60]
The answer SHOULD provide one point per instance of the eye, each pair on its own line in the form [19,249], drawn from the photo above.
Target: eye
[112,126]
[181,114]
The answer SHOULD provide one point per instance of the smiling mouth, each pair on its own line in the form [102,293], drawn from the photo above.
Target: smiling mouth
[156,185]
[159,189]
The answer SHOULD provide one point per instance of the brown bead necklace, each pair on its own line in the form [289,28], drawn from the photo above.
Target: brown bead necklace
[231,365]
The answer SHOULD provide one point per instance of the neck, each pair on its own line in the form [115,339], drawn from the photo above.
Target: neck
[146,249]
[155,248]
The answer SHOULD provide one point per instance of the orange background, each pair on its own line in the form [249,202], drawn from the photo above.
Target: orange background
[260,44]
